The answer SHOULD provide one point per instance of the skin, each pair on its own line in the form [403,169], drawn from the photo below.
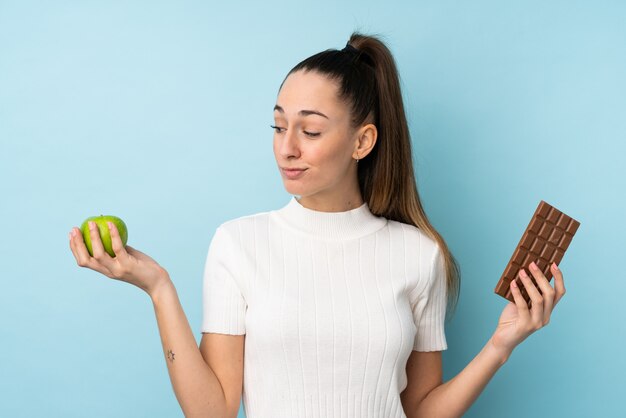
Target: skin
[330,184]
[129,265]
[517,322]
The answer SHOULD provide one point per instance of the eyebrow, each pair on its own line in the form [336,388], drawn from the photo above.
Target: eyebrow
[303,112]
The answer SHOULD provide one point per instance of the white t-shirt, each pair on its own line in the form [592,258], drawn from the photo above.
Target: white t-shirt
[332,303]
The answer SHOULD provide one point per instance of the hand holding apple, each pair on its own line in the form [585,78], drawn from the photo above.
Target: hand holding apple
[123,262]
[103,229]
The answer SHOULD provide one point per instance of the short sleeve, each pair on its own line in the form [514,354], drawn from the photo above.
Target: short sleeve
[223,304]
[429,308]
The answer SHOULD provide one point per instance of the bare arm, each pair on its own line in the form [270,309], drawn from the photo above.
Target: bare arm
[516,323]
[197,388]
[207,380]
[454,397]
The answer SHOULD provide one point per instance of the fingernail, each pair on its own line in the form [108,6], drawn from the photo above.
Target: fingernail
[73,232]
[513,284]
[91,224]
[522,272]
[110,225]
[555,267]
[533,265]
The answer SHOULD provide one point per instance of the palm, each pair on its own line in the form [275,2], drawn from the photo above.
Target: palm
[509,314]
[135,260]
[507,330]
[517,320]
[508,334]
[128,264]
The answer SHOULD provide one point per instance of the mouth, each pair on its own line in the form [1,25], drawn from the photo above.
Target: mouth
[292,169]
[292,173]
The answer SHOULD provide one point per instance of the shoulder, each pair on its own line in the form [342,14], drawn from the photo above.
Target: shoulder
[234,227]
[414,238]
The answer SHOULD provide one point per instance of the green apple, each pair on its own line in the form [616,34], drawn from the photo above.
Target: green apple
[103,228]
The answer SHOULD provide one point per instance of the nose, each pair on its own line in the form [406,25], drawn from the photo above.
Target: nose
[288,145]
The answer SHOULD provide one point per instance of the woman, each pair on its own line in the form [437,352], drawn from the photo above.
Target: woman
[341,294]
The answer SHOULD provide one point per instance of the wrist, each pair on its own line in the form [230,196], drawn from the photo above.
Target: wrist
[162,286]
[500,353]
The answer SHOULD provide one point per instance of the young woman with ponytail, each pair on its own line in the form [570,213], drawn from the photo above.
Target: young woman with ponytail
[335,304]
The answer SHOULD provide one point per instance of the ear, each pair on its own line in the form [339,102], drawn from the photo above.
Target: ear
[365,140]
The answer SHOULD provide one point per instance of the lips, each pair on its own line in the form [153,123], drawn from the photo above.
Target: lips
[292,173]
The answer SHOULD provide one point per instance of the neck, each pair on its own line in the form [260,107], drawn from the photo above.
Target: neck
[331,224]
[340,204]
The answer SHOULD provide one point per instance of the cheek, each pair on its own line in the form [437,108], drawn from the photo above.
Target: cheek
[330,163]
[328,158]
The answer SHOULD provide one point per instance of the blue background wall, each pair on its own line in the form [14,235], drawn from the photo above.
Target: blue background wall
[159,112]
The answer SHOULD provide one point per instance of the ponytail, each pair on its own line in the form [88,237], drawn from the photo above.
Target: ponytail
[369,82]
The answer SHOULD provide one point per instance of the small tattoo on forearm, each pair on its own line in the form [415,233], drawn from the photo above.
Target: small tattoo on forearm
[170,355]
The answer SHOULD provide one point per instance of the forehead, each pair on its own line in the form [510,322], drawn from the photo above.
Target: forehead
[309,90]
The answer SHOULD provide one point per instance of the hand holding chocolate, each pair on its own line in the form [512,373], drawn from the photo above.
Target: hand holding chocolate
[545,240]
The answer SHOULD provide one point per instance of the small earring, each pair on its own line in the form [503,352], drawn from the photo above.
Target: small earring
[357,159]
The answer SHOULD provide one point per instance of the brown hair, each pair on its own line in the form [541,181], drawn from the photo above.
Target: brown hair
[370,85]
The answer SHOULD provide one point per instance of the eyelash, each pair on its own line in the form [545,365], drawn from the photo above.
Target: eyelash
[311,134]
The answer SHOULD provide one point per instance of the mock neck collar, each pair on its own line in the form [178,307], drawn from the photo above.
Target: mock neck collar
[349,224]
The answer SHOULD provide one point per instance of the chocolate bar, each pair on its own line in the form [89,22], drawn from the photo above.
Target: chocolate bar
[545,240]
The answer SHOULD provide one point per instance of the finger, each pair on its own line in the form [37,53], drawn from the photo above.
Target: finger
[96,243]
[74,252]
[101,256]
[559,285]
[522,306]
[536,310]
[547,292]
[79,248]
[83,259]
[116,242]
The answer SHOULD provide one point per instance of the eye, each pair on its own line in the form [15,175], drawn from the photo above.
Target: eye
[311,133]
[276,129]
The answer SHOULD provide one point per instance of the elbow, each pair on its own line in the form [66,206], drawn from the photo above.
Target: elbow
[210,414]
[423,408]
[224,411]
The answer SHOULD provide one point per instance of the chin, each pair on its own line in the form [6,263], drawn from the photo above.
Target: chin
[295,189]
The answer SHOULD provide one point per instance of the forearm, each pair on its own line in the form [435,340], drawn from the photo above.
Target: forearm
[454,397]
[197,388]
